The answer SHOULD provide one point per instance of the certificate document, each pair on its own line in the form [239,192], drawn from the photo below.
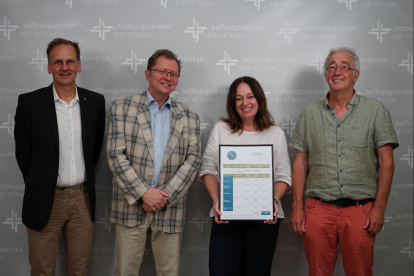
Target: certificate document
[246,182]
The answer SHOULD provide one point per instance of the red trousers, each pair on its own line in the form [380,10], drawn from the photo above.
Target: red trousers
[325,226]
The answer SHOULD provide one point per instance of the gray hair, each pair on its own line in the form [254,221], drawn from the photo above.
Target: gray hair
[347,50]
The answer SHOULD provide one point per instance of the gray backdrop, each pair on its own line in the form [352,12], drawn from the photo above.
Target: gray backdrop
[281,43]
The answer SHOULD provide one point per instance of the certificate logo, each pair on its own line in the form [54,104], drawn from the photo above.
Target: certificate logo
[231,155]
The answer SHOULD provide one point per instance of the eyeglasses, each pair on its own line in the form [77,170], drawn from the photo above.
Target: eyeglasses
[59,63]
[343,68]
[165,73]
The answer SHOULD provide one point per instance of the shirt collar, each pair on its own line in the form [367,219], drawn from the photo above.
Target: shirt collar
[353,102]
[56,97]
[151,100]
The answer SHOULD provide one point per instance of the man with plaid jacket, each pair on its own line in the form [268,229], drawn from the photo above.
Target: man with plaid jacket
[154,151]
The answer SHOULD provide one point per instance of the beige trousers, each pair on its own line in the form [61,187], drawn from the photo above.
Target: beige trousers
[130,247]
[71,214]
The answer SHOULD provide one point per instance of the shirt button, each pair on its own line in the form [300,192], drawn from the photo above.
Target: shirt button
[339,140]
[339,155]
[156,155]
[339,126]
[342,185]
[158,126]
[340,170]
[156,140]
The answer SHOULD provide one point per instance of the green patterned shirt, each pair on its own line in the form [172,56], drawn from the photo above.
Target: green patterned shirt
[342,158]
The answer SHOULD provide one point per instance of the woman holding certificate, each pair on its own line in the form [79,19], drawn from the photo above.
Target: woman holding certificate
[245,247]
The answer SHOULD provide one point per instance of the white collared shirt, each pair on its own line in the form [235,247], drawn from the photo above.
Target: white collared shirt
[71,163]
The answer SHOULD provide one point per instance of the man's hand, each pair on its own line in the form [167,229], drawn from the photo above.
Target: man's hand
[297,221]
[154,200]
[375,220]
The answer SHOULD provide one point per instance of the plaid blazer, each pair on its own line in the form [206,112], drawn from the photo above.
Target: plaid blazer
[130,157]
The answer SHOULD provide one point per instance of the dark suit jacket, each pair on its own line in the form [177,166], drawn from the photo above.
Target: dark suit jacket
[37,149]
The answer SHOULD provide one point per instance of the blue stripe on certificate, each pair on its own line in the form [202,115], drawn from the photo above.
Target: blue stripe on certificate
[228,193]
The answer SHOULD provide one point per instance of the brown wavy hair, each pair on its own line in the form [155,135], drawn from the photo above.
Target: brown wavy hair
[262,120]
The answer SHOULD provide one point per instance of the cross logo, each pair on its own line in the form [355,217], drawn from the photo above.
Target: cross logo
[227,62]
[69,2]
[195,30]
[379,31]
[39,60]
[386,219]
[105,221]
[9,125]
[256,3]
[14,221]
[7,28]
[288,31]
[200,220]
[134,61]
[318,63]
[409,250]
[164,3]
[408,63]
[267,93]
[101,29]
[204,125]
[172,94]
[289,126]
[348,3]
[409,157]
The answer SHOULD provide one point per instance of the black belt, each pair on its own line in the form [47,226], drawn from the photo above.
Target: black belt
[82,186]
[347,202]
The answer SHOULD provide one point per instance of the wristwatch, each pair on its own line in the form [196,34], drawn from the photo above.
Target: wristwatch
[277,200]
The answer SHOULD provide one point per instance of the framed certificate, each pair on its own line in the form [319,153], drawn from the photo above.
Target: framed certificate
[246,182]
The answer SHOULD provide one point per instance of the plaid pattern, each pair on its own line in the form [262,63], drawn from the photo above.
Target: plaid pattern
[130,157]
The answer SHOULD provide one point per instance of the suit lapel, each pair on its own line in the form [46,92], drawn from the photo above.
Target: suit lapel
[144,120]
[49,105]
[175,131]
[84,103]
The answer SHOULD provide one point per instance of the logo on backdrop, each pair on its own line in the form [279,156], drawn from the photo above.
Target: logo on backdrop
[227,62]
[204,125]
[409,250]
[134,61]
[289,126]
[101,29]
[105,221]
[408,63]
[256,3]
[14,221]
[195,30]
[9,125]
[348,3]
[200,220]
[172,94]
[409,157]
[39,61]
[318,63]
[288,31]
[380,31]
[69,2]
[7,28]
[164,3]
[231,155]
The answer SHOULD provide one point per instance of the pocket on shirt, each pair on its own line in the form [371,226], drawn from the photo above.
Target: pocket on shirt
[359,137]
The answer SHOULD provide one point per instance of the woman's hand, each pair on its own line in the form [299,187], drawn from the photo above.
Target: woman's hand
[217,214]
[274,214]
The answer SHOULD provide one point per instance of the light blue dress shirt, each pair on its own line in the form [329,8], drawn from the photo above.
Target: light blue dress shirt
[160,128]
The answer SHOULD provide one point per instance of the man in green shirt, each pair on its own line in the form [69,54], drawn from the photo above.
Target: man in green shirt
[344,154]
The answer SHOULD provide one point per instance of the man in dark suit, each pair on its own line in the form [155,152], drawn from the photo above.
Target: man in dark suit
[59,132]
